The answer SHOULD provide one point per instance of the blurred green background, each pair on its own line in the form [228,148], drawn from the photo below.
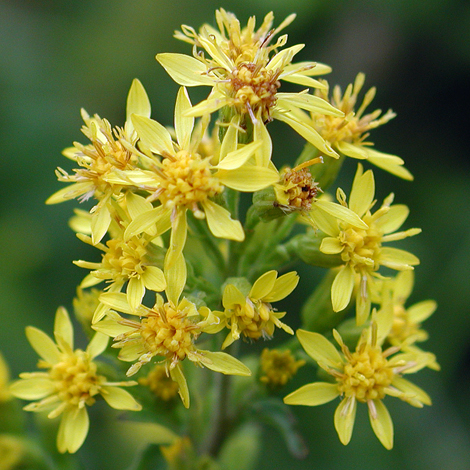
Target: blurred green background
[57,56]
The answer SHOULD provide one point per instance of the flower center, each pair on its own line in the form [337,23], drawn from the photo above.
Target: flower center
[75,379]
[361,248]
[254,87]
[366,375]
[253,319]
[187,180]
[278,367]
[299,190]
[168,332]
[124,259]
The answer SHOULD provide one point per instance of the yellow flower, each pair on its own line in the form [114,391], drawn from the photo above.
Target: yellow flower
[4,380]
[110,150]
[252,314]
[245,76]
[71,382]
[366,375]
[125,260]
[347,134]
[183,180]
[278,367]
[361,250]
[168,330]
[405,328]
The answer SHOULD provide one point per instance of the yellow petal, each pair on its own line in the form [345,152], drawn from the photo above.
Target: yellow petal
[154,279]
[362,192]
[232,296]
[63,329]
[176,279]
[319,349]
[301,79]
[263,285]
[153,134]
[177,375]
[117,301]
[147,432]
[70,192]
[393,219]
[100,223]
[183,125]
[137,101]
[110,326]
[185,70]
[43,345]
[208,106]
[73,429]
[283,286]
[97,345]
[135,292]
[178,237]
[261,134]
[158,217]
[137,205]
[352,150]
[411,390]
[421,311]
[341,213]
[308,102]
[331,246]
[397,259]
[324,221]
[284,57]
[32,389]
[216,53]
[224,363]
[381,423]
[342,288]
[305,130]
[237,158]
[248,178]
[313,394]
[220,223]
[119,399]
[345,416]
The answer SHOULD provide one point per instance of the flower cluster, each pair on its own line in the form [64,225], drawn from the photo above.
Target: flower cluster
[180,262]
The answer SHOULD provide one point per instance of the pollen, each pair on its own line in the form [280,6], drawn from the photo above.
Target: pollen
[366,375]
[254,88]
[75,379]
[187,180]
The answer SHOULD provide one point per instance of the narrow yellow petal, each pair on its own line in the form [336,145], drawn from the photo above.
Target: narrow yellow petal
[362,193]
[395,258]
[393,219]
[100,223]
[283,286]
[263,285]
[178,237]
[154,279]
[261,134]
[381,423]
[308,102]
[177,375]
[232,296]
[341,213]
[137,101]
[313,394]
[63,329]
[411,390]
[342,288]
[97,345]
[43,345]
[185,70]
[331,246]
[146,432]
[70,192]
[421,311]
[224,363]
[319,349]
[32,389]
[135,292]
[237,158]
[183,125]
[248,178]
[345,416]
[153,134]
[119,399]
[176,279]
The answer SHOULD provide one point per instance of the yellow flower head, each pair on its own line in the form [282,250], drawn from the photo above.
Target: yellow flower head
[110,150]
[125,260]
[278,367]
[181,179]
[252,315]
[245,75]
[168,330]
[70,383]
[160,383]
[348,134]
[361,249]
[366,375]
